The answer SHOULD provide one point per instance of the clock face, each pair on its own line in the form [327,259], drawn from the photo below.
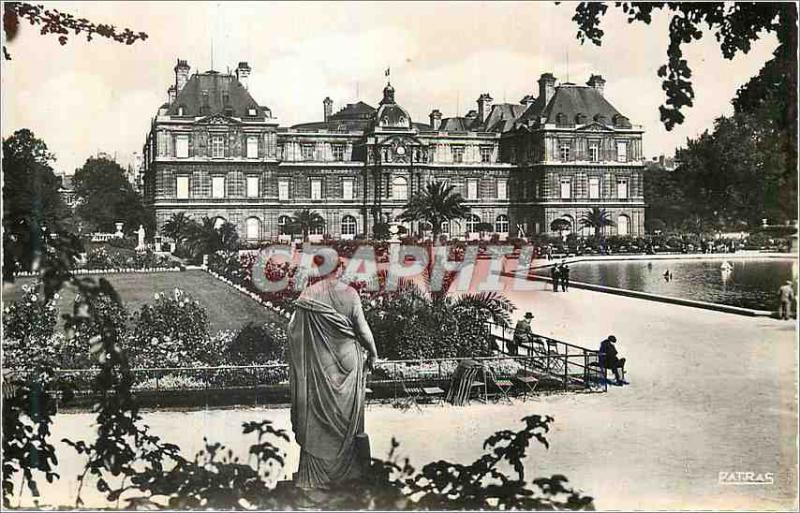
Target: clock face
[401,150]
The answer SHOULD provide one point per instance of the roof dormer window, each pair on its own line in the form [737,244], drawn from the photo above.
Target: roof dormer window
[561,119]
[181,110]
[580,119]
[251,111]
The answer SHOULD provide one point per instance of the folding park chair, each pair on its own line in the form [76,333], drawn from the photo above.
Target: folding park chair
[433,394]
[526,382]
[499,387]
[411,393]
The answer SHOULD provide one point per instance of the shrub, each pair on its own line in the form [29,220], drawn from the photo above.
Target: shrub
[30,316]
[257,344]
[172,332]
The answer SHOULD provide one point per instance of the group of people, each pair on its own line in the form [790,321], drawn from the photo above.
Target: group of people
[560,276]
[608,354]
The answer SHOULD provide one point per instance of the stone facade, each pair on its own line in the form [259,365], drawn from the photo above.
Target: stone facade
[213,151]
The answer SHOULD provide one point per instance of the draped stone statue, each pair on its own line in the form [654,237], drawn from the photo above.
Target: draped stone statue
[327,338]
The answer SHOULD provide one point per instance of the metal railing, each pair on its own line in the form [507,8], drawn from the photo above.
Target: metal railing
[570,364]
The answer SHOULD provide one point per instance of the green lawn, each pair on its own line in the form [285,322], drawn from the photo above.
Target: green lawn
[227,308]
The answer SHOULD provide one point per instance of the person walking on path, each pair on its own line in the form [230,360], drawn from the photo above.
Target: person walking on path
[609,359]
[522,333]
[564,272]
[555,276]
[787,296]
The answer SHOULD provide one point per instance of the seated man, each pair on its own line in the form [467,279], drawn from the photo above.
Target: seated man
[609,359]
[522,333]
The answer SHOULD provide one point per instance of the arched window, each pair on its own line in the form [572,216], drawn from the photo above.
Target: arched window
[472,223]
[252,228]
[349,225]
[501,224]
[580,119]
[623,223]
[283,225]
[219,221]
[317,230]
[400,188]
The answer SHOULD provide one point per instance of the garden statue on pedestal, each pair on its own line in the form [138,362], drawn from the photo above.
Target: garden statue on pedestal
[118,234]
[141,246]
[327,338]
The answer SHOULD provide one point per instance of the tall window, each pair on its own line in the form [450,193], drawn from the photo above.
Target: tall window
[182,187]
[594,153]
[347,188]
[458,154]
[252,228]
[446,227]
[400,188]
[316,189]
[622,225]
[182,146]
[564,152]
[283,225]
[283,189]
[622,151]
[566,188]
[501,224]
[217,146]
[502,190]
[594,188]
[252,147]
[486,154]
[252,186]
[472,189]
[217,186]
[307,151]
[472,223]
[622,188]
[338,152]
[349,225]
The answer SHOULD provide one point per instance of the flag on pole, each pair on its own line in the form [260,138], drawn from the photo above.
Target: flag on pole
[387,72]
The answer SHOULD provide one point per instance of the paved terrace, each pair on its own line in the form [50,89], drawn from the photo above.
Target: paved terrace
[709,392]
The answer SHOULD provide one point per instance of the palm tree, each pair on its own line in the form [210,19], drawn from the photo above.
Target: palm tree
[176,226]
[435,204]
[306,220]
[560,225]
[597,219]
[206,237]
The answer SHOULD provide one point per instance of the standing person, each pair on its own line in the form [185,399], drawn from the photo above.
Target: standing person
[522,333]
[564,277]
[555,276]
[609,359]
[328,335]
[786,296]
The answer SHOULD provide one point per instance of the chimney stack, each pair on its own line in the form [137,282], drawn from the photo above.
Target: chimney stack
[597,82]
[243,74]
[436,119]
[547,87]
[327,108]
[172,93]
[484,106]
[181,75]
[527,100]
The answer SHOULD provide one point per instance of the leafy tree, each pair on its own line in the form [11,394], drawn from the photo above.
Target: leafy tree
[435,204]
[484,227]
[176,227]
[53,21]
[596,219]
[307,220]
[735,26]
[205,237]
[665,198]
[37,225]
[106,197]
[560,225]
[381,231]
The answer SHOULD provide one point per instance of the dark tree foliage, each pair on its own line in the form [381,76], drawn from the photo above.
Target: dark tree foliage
[53,21]
[734,25]
[37,224]
[106,197]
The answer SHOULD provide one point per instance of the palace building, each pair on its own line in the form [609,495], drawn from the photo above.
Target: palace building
[212,150]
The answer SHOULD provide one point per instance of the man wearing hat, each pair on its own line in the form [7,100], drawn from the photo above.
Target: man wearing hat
[609,359]
[787,296]
[522,333]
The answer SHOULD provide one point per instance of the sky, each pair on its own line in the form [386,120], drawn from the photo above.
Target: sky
[87,97]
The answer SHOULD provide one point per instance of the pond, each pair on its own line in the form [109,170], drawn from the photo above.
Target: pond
[751,283]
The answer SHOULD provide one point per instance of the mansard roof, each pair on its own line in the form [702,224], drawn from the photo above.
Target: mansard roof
[574,104]
[503,117]
[215,93]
